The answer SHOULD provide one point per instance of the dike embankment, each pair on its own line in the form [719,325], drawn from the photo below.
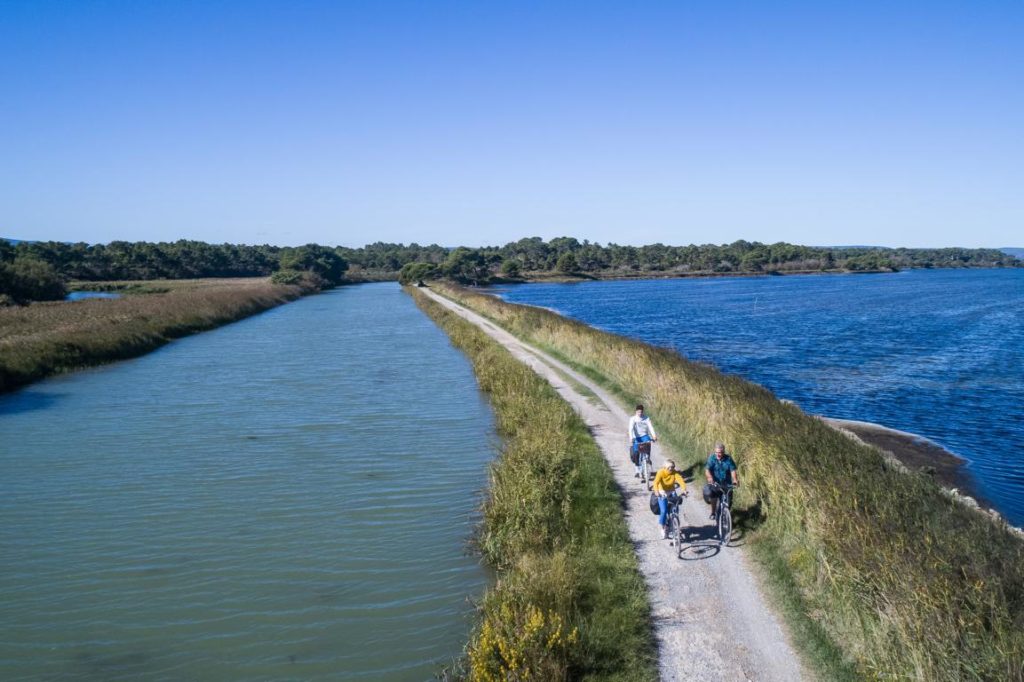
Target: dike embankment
[709,614]
[44,339]
[568,601]
[881,574]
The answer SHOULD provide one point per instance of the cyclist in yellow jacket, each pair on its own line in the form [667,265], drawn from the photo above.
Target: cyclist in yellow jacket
[668,485]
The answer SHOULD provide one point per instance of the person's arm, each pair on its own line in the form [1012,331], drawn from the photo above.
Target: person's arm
[735,475]
[707,472]
[629,430]
[650,426]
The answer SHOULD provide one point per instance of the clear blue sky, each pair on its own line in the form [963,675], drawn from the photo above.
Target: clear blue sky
[479,123]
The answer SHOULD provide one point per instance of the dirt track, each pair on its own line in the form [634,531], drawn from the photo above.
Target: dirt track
[712,621]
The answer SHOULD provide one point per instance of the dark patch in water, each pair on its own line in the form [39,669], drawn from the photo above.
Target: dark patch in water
[28,401]
[107,664]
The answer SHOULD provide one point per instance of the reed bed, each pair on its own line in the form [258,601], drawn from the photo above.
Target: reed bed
[569,601]
[904,581]
[48,338]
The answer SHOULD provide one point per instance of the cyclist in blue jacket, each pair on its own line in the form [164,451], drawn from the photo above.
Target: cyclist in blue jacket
[720,468]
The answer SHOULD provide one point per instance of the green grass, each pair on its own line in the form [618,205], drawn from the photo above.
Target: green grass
[48,338]
[569,601]
[883,573]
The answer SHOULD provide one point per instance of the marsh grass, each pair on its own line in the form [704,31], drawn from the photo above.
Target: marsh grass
[48,338]
[880,565]
[569,601]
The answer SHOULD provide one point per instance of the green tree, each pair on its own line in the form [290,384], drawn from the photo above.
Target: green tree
[466,265]
[511,268]
[316,259]
[754,260]
[567,263]
[30,279]
[417,272]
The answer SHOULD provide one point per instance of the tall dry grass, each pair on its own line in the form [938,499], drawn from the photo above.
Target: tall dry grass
[906,582]
[569,601]
[47,338]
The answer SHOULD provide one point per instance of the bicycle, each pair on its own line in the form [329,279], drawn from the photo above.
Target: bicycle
[723,518]
[644,461]
[674,522]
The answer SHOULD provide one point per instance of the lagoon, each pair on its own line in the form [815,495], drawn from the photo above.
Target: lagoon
[287,497]
[938,353]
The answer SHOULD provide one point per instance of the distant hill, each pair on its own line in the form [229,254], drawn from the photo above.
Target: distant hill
[1016,252]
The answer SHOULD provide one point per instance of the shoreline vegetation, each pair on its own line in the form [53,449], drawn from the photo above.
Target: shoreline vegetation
[915,452]
[44,339]
[33,271]
[865,558]
[568,601]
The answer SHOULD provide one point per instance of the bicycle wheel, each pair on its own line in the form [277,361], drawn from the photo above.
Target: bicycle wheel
[724,525]
[644,470]
[677,535]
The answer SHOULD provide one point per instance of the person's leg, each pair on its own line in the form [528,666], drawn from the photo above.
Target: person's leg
[662,516]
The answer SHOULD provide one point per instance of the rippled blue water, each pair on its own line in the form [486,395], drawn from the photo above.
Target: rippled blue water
[938,353]
[287,497]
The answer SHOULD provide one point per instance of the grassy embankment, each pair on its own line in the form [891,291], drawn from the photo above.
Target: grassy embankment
[569,601]
[881,574]
[48,338]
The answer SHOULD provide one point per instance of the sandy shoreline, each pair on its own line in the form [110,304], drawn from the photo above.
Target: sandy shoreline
[916,453]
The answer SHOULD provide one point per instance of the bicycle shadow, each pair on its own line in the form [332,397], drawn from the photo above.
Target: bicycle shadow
[699,551]
[700,542]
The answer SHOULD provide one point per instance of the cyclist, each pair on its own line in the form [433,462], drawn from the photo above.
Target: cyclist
[666,483]
[719,468]
[641,434]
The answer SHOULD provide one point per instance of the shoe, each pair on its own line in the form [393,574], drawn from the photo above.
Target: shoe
[664,533]
[636,475]
[712,517]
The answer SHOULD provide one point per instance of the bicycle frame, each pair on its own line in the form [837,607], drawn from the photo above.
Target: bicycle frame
[674,521]
[644,462]
[724,507]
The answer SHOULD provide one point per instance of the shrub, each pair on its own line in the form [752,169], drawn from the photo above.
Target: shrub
[286,277]
[325,263]
[511,268]
[567,263]
[417,272]
[30,279]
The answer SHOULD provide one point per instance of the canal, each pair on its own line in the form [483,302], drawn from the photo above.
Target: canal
[287,497]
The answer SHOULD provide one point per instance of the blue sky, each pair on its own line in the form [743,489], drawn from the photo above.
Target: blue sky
[479,123]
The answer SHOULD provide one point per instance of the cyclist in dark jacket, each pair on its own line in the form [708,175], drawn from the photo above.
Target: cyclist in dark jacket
[720,468]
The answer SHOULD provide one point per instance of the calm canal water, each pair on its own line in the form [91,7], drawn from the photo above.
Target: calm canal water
[938,353]
[285,498]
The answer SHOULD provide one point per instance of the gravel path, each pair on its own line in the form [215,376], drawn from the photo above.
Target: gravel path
[712,621]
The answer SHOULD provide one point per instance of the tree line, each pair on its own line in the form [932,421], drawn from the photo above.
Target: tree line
[566,255]
[38,270]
